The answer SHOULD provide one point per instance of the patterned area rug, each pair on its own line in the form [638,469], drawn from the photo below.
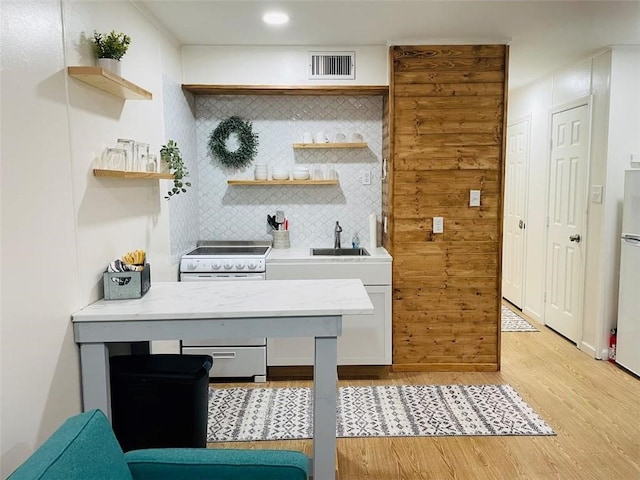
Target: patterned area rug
[512,322]
[250,414]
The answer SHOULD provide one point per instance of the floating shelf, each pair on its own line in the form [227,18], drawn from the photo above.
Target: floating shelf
[282,182]
[329,145]
[109,82]
[200,89]
[126,174]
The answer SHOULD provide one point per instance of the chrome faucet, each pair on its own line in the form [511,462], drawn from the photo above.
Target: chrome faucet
[336,235]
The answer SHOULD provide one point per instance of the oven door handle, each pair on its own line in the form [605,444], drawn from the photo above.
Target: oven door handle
[223,355]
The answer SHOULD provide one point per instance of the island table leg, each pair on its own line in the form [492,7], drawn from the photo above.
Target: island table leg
[96,385]
[325,396]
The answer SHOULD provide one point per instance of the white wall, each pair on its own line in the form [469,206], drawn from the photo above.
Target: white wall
[611,80]
[60,224]
[276,65]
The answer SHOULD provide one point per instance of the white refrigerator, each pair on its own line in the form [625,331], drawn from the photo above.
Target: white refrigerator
[628,338]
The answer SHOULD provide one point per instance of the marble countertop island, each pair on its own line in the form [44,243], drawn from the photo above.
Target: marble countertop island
[229,299]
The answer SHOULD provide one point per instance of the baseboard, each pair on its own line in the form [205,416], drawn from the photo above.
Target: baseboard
[591,351]
[345,372]
[446,367]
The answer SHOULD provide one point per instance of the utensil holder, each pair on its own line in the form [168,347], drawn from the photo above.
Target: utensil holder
[281,239]
[124,285]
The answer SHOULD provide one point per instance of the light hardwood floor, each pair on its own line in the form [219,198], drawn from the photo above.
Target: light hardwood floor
[593,406]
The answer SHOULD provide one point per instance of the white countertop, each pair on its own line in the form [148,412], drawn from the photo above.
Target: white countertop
[229,299]
[285,255]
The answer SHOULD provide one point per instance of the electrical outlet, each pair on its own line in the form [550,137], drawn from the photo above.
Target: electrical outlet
[365,176]
[438,225]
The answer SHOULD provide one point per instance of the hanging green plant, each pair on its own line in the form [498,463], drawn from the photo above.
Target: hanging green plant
[247,141]
[170,154]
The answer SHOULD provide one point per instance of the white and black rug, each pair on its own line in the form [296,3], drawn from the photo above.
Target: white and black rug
[512,322]
[250,414]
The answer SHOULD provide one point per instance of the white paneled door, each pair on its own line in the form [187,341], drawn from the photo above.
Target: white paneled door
[566,216]
[513,244]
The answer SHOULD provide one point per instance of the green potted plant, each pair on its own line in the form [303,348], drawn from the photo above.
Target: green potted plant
[170,154]
[110,48]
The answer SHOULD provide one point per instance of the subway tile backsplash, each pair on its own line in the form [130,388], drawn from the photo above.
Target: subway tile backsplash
[239,212]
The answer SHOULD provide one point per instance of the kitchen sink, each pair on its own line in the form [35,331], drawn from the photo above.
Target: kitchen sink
[352,252]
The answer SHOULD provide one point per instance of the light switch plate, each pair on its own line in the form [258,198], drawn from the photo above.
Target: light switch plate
[596,193]
[438,225]
[474,198]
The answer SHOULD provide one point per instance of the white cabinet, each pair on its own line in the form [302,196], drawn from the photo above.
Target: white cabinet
[365,340]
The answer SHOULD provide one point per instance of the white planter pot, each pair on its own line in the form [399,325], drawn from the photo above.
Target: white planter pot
[110,64]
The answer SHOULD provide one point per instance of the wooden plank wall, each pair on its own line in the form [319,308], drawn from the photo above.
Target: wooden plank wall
[446,113]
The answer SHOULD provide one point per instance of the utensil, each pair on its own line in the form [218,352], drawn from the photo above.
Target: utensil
[280,218]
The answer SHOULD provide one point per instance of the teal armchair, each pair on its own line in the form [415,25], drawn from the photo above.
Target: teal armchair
[85,448]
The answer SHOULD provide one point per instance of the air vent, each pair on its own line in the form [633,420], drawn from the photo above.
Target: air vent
[332,65]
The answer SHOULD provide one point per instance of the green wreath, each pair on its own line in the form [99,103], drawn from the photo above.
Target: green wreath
[246,138]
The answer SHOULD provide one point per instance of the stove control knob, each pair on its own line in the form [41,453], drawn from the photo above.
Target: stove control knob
[228,265]
[216,265]
[252,265]
[240,264]
[192,265]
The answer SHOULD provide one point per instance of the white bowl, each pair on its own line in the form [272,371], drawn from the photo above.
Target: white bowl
[301,176]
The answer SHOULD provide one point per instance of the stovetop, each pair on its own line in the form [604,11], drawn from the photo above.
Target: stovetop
[228,251]
[226,256]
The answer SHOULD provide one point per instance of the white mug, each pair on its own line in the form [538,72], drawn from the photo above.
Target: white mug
[307,137]
[341,137]
[321,137]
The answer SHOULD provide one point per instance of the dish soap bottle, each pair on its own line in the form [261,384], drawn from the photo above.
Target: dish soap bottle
[355,241]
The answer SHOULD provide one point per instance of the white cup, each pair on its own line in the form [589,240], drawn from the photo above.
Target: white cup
[332,174]
[307,137]
[341,137]
[356,137]
[321,137]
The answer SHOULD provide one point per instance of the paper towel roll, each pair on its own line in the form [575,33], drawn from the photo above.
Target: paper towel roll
[373,232]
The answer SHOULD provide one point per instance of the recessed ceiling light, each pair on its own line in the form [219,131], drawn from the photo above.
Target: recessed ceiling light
[275,18]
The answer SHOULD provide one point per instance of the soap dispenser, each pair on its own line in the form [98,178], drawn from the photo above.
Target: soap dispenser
[355,241]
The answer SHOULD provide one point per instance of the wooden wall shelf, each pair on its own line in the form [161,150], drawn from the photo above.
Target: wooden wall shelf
[282,182]
[125,174]
[200,89]
[329,145]
[109,82]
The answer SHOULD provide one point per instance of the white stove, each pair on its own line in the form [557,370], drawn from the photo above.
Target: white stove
[228,260]
[232,260]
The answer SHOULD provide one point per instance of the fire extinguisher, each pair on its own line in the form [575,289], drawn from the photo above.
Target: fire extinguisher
[612,345]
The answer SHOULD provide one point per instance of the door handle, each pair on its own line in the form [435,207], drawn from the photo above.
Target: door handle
[521,225]
[575,238]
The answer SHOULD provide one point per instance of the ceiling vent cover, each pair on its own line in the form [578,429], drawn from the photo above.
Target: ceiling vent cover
[332,65]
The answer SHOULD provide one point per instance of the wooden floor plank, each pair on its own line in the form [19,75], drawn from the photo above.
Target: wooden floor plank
[594,407]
